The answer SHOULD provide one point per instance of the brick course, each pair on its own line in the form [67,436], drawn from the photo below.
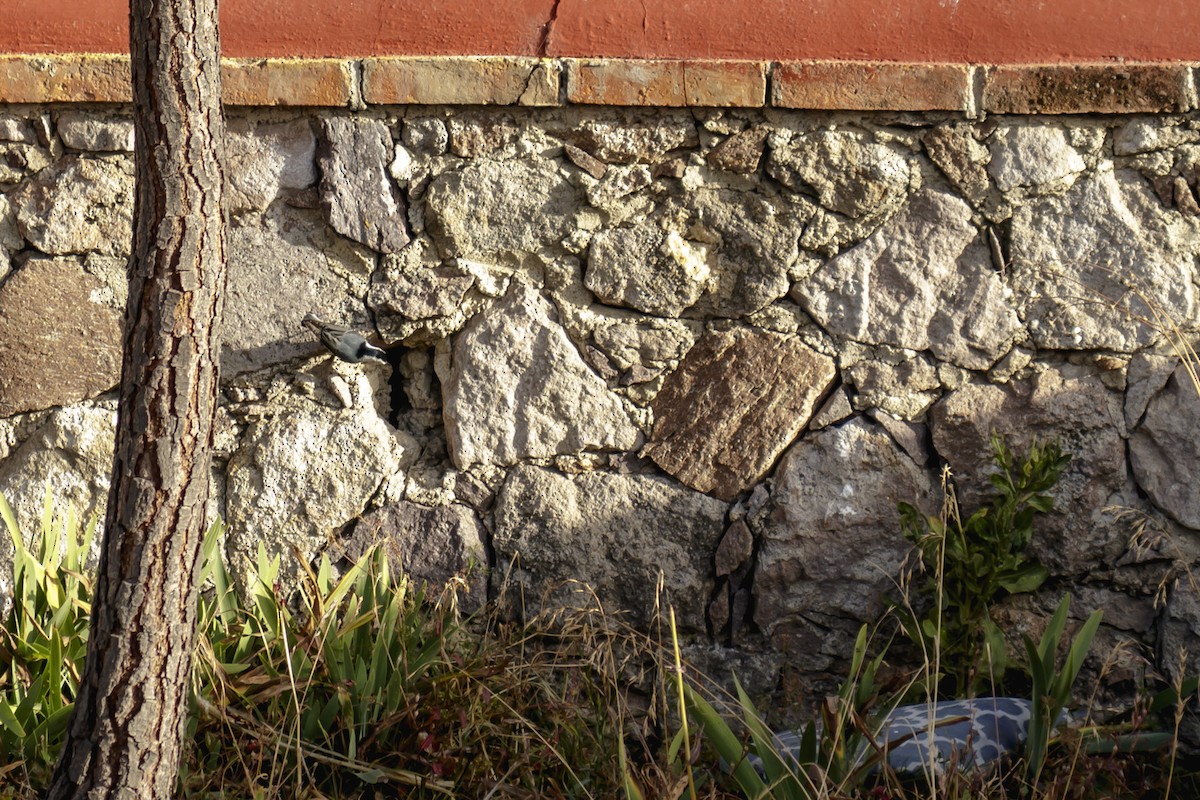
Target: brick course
[1107,88]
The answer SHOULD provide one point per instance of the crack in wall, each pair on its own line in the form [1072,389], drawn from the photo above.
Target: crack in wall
[548,30]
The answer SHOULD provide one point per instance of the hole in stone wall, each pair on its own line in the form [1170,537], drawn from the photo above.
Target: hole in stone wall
[400,403]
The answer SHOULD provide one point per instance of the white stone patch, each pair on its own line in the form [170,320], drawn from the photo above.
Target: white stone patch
[1033,156]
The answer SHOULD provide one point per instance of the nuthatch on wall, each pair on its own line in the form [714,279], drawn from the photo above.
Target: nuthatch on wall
[346,344]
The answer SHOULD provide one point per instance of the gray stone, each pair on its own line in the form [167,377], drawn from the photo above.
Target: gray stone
[739,153]
[419,299]
[1033,156]
[562,538]
[1179,637]
[1096,267]
[71,453]
[629,141]
[300,475]
[516,387]
[755,237]
[15,128]
[426,135]
[610,192]
[903,387]
[1164,451]
[282,266]
[10,238]
[850,174]
[923,281]
[266,159]
[357,193]
[960,156]
[1148,134]
[58,343]
[492,209]
[835,409]
[645,343]
[49,206]
[1147,374]
[18,160]
[735,549]
[430,545]
[1073,406]
[736,401]
[647,268]
[912,437]
[830,546]
[84,130]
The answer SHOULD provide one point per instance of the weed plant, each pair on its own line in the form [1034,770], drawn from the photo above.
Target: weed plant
[970,564]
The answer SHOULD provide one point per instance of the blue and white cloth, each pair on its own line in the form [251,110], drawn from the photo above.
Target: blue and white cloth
[930,736]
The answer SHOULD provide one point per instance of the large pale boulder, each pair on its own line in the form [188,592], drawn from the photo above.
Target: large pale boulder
[516,387]
[1033,156]
[1164,451]
[78,205]
[431,545]
[500,209]
[1072,406]
[830,542]
[301,474]
[616,534]
[1102,266]
[70,451]
[647,268]
[282,266]
[923,281]
[850,173]
[265,159]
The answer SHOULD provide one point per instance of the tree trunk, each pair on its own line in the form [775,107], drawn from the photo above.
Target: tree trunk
[126,732]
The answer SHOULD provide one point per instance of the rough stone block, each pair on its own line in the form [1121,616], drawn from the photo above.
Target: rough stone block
[1086,89]
[872,86]
[359,197]
[430,545]
[736,401]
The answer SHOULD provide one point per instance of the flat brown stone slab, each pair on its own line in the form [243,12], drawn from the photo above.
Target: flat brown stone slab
[736,401]
[57,344]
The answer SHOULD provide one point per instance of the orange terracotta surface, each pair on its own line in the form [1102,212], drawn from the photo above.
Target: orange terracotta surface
[979,31]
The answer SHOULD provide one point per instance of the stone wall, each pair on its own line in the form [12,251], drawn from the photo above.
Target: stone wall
[715,346]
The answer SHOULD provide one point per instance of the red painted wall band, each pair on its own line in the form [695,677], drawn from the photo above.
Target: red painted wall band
[963,31]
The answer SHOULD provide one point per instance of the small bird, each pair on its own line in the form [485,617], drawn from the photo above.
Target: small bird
[346,344]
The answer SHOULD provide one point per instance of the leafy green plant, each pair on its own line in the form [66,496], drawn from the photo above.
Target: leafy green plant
[969,564]
[1052,686]
[43,640]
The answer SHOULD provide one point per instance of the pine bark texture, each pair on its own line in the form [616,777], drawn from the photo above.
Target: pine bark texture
[126,732]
